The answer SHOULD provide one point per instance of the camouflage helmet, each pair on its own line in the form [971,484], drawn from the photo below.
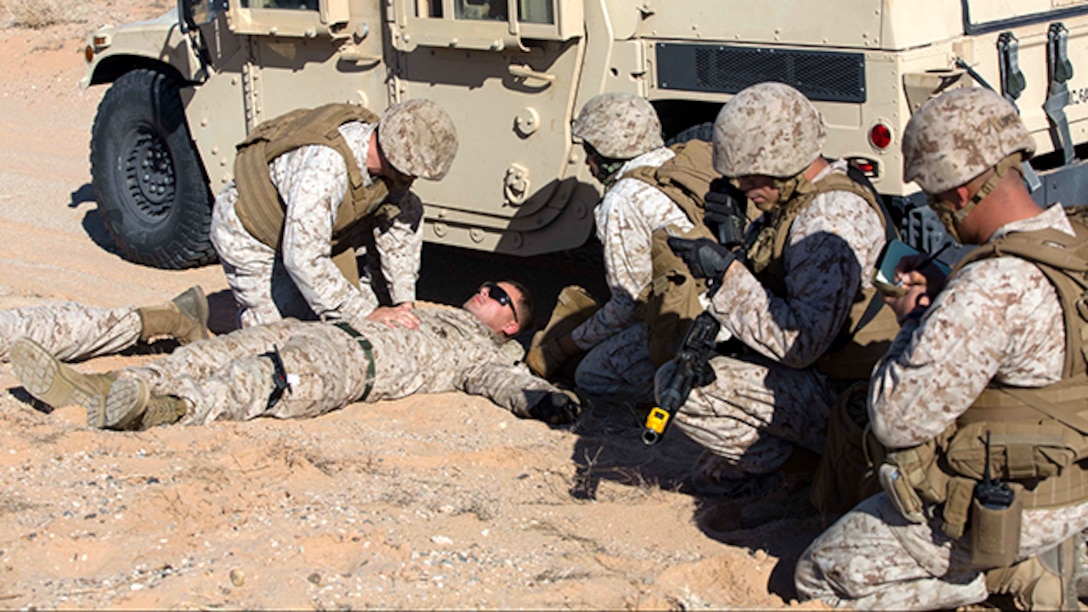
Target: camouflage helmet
[619,125]
[770,129]
[958,135]
[418,138]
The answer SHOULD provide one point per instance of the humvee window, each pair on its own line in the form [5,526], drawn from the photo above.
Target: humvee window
[304,5]
[484,24]
[529,11]
[536,11]
[429,8]
[481,9]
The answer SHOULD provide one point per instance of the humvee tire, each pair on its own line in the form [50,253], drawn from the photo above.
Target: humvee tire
[149,183]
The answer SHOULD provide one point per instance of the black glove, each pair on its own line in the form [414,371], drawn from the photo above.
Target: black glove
[556,409]
[704,257]
[725,216]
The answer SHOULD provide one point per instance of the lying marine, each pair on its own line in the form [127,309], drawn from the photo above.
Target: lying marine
[295,369]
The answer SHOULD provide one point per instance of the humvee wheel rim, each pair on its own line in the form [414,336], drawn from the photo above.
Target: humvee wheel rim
[149,172]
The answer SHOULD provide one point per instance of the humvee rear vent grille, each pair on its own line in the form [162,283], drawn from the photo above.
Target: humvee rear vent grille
[826,76]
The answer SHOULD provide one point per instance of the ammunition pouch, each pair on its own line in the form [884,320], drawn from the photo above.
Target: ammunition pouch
[670,303]
[846,473]
[1041,459]
[902,493]
[1020,450]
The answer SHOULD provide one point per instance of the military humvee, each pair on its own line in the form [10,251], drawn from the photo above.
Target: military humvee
[513,73]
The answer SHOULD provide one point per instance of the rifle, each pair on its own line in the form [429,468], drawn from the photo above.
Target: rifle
[725,214]
[692,370]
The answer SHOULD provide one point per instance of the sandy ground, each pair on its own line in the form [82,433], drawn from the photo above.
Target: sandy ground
[431,502]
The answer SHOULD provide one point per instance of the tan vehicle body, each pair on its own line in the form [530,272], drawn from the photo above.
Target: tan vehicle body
[519,184]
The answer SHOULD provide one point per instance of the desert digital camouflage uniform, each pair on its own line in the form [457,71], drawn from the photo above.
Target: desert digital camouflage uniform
[997,319]
[759,406]
[618,361]
[225,378]
[71,330]
[301,280]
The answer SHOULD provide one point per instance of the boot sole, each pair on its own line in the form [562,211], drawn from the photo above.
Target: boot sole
[124,404]
[52,382]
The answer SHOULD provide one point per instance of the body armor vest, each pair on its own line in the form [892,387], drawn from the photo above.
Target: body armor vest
[1039,436]
[671,302]
[685,179]
[260,207]
[869,328]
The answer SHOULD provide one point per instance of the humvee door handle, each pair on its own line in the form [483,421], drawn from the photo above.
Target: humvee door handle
[525,72]
[355,54]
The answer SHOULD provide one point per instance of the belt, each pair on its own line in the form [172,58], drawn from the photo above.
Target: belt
[368,350]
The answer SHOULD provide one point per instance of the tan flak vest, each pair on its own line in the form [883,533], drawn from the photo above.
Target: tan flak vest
[671,302]
[685,179]
[870,327]
[259,206]
[1038,436]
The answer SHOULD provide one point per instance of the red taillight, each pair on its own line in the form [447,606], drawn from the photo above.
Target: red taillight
[868,167]
[88,53]
[880,136]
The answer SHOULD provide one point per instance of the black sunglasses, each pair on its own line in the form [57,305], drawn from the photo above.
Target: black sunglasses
[497,293]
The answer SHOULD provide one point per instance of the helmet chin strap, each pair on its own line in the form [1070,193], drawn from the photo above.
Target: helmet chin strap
[951,218]
[1009,162]
[787,188]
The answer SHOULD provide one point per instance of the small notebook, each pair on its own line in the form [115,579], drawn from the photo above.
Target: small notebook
[895,250]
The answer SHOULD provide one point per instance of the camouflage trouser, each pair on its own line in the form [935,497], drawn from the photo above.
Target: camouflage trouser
[754,412]
[71,331]
[873,558]
[256,274]
[226,378]
[619,367]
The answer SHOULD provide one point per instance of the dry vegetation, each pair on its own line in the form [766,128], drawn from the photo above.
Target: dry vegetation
[37,14]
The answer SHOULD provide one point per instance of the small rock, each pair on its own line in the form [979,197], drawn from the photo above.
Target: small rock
[238,577]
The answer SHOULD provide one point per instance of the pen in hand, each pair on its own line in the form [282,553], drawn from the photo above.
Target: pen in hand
[922,264]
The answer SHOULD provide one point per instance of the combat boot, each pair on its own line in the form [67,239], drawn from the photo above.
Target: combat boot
[1080,575]
[48,379]
[715,476]
[185,318]
[130,406]
[573,306]
[1042,582]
